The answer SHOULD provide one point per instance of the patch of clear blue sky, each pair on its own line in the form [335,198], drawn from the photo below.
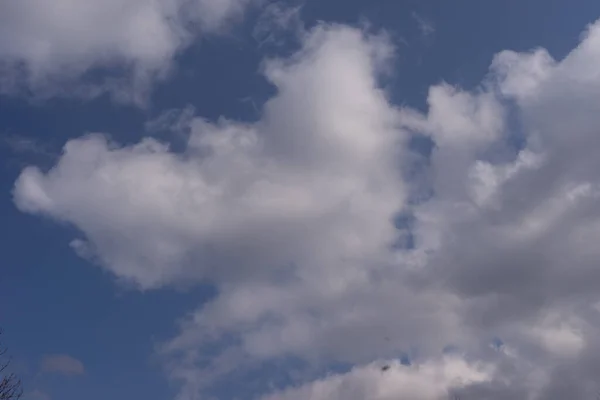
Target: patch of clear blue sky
[53,302]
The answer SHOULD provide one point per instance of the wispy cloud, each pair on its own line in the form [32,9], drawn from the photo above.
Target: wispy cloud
[277,24]
[37,395]
[62,364]
[25,145]
[173,121]
[426,26]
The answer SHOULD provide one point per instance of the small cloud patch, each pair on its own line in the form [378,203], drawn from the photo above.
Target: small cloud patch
[62,364]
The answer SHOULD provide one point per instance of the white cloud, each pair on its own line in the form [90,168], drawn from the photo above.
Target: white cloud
[274,192]
[62,364]
[291,219]
[432,381]
[47,51]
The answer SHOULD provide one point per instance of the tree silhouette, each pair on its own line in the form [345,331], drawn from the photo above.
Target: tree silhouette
[10,384]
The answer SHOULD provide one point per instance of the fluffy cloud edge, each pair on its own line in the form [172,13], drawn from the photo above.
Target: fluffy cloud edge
[505,202]
[84,49]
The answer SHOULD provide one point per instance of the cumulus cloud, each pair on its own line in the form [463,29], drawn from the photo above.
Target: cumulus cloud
[242,198]
[62,364]
[292,219]
[55,51]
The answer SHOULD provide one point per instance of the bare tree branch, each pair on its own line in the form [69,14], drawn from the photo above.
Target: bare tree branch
[10,384]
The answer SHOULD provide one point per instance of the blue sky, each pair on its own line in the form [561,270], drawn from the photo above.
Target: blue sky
[54,302]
